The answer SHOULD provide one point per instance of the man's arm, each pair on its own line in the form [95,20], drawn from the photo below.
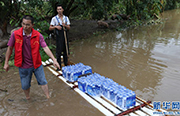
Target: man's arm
[49,53]
[51,27]
[8,54]
[66,26]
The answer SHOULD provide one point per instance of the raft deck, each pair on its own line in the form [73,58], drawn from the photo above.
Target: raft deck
[108,108]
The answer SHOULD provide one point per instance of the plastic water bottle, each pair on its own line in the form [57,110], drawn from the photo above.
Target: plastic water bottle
[128,101]
[92,85]
[92,90]
[115,95]
[124,102]
[113,92]
[87,83]
[80,64]
[98,88]
[88,70]
[105,89]
[82,84]
[77,73]
[71,76]
[64,72]
[108,89]
[132,98]
[98,82]
[119,99]
[89,89]
[67,74]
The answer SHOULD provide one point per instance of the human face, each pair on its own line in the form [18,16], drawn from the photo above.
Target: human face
[27,25]
[60,10]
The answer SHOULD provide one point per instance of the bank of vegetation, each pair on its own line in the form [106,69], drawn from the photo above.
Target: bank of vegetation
[134,12]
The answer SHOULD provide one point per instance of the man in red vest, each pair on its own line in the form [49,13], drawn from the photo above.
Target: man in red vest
[27,42]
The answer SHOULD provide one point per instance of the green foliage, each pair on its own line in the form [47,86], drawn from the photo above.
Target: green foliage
[44,56]
[35,3]
[43,10]
[118,8]
[2,4]
[100,8]
[90,9]
[11,62]
[42,26]
[34,8]
[8,10]
[172,4]
[144,9]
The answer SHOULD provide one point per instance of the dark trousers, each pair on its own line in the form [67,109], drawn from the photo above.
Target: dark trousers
[61,47]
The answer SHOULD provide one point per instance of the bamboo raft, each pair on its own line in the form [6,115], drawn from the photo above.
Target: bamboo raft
[108,108]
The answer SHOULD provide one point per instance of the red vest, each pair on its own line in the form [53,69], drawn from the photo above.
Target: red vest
[34,48]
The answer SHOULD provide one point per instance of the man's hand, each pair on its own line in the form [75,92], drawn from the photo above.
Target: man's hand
[49,53]
[8,54]
[56,64]
[51,27]
[58,27]
[63,24]
[66,26]
[6,67]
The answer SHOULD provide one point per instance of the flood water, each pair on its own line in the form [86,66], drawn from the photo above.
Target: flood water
[144,59]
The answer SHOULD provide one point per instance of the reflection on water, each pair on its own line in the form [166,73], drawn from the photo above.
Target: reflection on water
[145,59]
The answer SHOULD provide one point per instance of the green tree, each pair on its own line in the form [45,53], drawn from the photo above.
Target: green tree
[8,10]
[144,9]
[12,10]
[172,4]
[97,9]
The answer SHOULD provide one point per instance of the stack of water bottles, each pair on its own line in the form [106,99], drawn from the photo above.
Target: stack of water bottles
[97,85]
[72,72]
[91,84]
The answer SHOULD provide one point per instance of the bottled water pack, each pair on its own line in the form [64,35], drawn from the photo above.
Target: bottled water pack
[97,85]
[72,72]
[91,84]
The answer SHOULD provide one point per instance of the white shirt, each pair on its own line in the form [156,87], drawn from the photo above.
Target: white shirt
[25,34]
[55,22]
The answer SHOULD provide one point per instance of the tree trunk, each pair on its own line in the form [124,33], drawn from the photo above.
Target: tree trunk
[4,28]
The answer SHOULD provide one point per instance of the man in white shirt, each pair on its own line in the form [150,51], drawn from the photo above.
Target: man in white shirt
[60,23]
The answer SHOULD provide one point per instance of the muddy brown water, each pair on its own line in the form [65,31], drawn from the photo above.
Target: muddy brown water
[144,59]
